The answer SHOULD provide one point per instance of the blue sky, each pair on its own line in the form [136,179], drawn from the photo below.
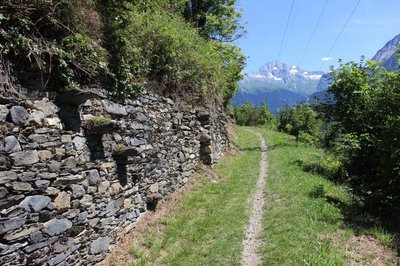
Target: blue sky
[374,23]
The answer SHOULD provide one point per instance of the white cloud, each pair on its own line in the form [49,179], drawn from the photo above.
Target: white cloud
[326,58]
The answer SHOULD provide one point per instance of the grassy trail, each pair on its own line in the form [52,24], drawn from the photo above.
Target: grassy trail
[209,227]
[306,217]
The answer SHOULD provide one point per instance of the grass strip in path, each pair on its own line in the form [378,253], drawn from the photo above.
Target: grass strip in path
[305,219]
[209,227]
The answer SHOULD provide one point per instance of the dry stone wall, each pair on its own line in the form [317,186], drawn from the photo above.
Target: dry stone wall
[74,177]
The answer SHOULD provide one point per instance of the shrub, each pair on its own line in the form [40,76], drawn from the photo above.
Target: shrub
[301,121]
[250,115]
[366,118]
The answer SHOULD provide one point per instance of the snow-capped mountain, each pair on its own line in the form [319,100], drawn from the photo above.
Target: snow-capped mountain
[278,84]
[387,55]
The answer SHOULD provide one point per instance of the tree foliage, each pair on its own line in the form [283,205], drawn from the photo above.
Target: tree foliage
[250,115]
[365,128]
[215,19]
[301,121]
[174,47]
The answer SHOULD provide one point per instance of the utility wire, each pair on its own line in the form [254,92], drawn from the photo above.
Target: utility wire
[313,33]
[282,43]
[285,31]
[341,32]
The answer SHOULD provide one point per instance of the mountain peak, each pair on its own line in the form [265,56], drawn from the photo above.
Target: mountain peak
[287,73]
[387,55]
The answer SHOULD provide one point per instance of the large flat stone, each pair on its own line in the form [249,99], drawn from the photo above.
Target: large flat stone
[57,226]
[46,106]
[25,157]
[100,245]
[35,203]
[114,108]
[11,224]
[11,144]
[7,176]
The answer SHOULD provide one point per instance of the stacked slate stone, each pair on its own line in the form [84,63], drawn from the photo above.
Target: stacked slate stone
[75,177]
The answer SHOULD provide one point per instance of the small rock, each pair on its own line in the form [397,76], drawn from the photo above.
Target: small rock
[3,113]
[36,237]
[70,162]
[68,180]
[77,191]
[93,177]
[21,186]
[54,122]
[79,143]
[56,226]
[37,117]
[66,138]
[114,206]
[28,176]
[63,201]
[25,157]
[19,115]
[71,213]
[11,144]
[54,166]
[42,184]
[52,191]
[3,192]
[99,245]
[7,176]
[153,188]
[35,203]
[141,117]
[45,155]
[116,188]
[103,187]
[86,201]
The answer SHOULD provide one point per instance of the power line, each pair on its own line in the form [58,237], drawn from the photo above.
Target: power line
[282,43]
[313,32]
[285,31]
[341,32]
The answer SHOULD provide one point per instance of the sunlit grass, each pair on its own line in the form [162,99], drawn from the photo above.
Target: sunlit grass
[302,213]
[209,228]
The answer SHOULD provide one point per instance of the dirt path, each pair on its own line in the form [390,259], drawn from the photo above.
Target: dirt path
[252,241]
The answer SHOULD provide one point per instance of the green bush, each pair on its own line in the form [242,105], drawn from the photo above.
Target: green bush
[125,46]
[301,121]
[250,115]
[367,125]
[45,37]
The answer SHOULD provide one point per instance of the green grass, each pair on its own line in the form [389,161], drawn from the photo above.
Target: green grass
[210,226]
[308,219]
[302,219]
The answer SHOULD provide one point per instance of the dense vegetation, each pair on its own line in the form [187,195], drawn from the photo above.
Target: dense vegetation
[177,47]
[250,115]
[364,130]
[301,121]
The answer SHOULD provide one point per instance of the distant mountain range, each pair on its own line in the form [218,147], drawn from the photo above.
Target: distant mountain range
[278,84]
